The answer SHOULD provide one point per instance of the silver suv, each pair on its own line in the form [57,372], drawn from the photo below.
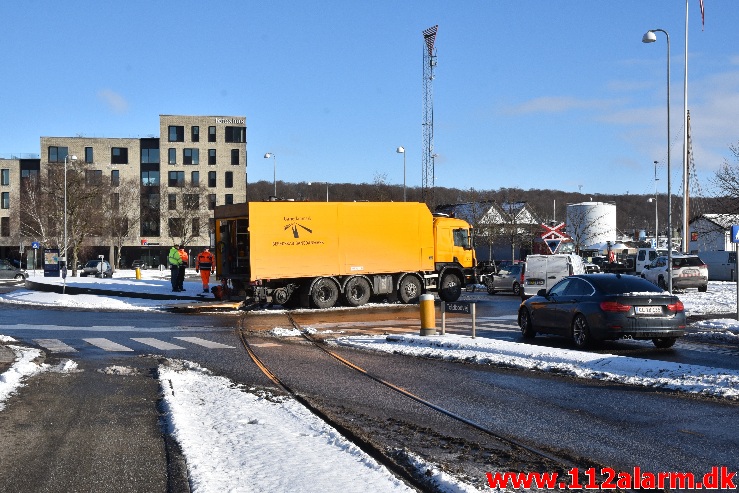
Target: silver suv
[688,271]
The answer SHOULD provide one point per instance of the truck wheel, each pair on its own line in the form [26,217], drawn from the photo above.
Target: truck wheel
[357,291]
[410,289]
[324,293]
[451,288]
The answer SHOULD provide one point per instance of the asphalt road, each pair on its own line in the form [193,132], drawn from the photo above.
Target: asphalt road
[77,431]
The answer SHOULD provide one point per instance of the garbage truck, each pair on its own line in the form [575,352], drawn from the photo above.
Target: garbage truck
[318,254]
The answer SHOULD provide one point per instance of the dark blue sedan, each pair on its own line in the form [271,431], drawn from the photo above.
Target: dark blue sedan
[596,307]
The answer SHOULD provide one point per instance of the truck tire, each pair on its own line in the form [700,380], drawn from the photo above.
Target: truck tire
[451,288]
[324,293]
[357,291]
[410,289]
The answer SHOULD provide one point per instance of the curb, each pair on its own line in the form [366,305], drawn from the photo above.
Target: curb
[55,288]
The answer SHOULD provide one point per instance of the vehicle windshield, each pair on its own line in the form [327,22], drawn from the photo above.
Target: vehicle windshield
[623,284]
[686,262]
[92,263]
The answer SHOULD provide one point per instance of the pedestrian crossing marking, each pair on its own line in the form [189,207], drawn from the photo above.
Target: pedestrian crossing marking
[205,343]
[106,344]
[156,343]
[55,345]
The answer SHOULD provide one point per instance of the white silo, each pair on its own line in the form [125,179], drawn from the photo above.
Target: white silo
[590,223]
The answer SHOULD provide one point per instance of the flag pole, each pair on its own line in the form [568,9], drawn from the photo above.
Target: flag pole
[686,188]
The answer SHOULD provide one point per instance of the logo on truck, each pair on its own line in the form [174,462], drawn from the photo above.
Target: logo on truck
[293,223]
[296,227]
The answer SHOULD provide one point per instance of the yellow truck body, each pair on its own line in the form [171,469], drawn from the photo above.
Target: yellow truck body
[283,248]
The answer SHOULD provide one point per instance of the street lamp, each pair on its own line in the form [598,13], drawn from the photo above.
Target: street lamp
[656,222]
[274,172]
[66,242]
[401,150]
[650,37]
[319,182]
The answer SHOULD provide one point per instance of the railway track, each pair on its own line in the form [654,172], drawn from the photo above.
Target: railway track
[485,449]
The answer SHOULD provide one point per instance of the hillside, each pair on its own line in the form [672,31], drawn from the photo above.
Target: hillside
[633,212]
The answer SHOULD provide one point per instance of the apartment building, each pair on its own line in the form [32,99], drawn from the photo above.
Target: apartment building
[204,156]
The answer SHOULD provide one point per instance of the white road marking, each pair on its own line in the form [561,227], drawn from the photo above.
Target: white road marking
[204,343]
[156,343]
[106,344]
[55,346]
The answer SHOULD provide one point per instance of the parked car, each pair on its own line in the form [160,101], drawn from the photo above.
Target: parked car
[595,307]
[543,271]
[10,271]
[139,264]
[688,271]
[508,279]
[92,268]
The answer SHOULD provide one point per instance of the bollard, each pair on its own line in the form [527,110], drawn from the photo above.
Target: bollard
[138,274]
[428,315]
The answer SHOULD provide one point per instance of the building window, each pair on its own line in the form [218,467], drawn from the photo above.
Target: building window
[235,156]
[119,155]
[176,179]
[150,178]
[115,201]
[4,226]
[5,200]
[211,134]
[88,154]
[196,226]
[229,179]
[211,201]
[191,201]
[172,201]
[195,179]
[176,133]
[93,177]
[5,177]
[229,198]
[115,178]
[149,156]
[172,155]
[211,156]
[195,134]
[236,134]
[191,156]
[212,179]
[57,154]
[175,226]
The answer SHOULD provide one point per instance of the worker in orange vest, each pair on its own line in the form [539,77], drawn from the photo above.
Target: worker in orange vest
[185,260]
[205,264]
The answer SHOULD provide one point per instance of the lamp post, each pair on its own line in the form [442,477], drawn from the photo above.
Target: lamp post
[274,171]
[656,221]
[66,242]
[650,37]
[319,182]
[401,150]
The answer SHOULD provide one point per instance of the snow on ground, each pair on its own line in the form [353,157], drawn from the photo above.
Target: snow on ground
[297,451]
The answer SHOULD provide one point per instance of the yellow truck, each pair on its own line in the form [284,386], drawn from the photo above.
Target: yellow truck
[319,253]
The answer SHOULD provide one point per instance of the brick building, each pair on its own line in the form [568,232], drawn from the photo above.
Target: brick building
[197,162]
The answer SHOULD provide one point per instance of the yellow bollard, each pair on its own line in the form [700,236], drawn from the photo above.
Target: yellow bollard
[428,315]
[138,274]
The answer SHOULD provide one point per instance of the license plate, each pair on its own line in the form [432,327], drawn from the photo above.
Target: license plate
[690,273]
[648,310]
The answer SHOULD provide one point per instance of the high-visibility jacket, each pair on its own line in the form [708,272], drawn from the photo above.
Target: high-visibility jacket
[174,257]
[204,261]
[183,255]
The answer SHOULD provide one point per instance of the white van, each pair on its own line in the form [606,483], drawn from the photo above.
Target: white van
[544,271]
[721,265]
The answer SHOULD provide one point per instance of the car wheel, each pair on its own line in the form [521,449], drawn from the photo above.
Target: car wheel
[664,342]
[703,289]
[524,322]
[581,332]
[489,286]
[19,277]
[516,289]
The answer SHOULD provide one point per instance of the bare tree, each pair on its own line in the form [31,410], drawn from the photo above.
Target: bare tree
[726,181]
[123,214]
[582,228]
[187,212]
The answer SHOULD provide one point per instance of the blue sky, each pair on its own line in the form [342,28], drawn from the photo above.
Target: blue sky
[529,94]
